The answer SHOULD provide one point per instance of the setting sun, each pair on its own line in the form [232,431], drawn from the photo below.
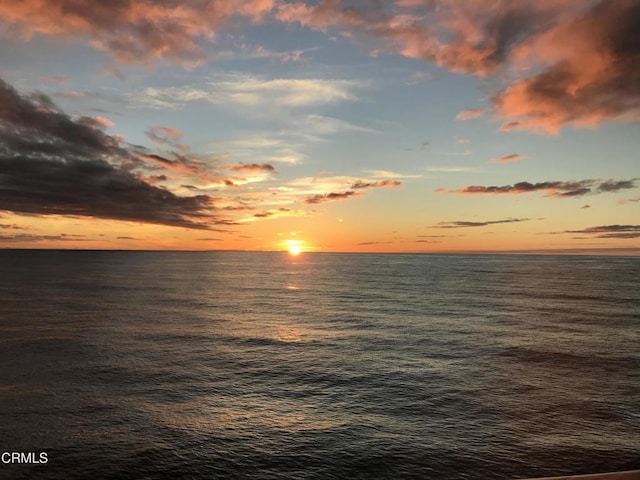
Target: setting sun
[294,247]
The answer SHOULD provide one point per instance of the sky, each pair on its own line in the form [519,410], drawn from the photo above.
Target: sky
[347,126]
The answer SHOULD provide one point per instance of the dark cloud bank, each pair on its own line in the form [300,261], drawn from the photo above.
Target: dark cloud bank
[53,164]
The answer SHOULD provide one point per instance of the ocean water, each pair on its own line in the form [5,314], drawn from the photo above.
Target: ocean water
[237,365]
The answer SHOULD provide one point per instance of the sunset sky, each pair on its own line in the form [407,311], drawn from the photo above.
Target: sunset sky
[383,126]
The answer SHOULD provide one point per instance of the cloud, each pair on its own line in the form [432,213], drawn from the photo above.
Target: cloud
[376,184]
[469,114]
[104,122]
[52,164]
[251,168]
[555,189]
[589,75]
[514,157]
[251,91]
[616,185]
[273,213]
[329,197]
[610,231]
[323,125]
[568,62]
[464,224]
[585,206]
[73,94]
[372,243]
[389,174]
[325,188]
[177,163]
[55,79]
[163,135]
[132,31]
[7,226]
[279,212]
[28,238]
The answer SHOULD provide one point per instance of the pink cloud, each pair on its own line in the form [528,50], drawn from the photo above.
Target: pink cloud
[133,31]
[167,136]
[469,114]
[104,122]
[514,157]
[566,62]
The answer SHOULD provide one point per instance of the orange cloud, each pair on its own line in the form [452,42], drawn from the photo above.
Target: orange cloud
[104,122]
[575,62]
[133,31]
[469,114]
[591,75]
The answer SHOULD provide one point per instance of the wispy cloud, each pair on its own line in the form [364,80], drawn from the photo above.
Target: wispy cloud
[372,243]
[375,184]
[323,125]
[166,136]
[466,224]
[34,238]
[555,189]
[250,168]
[252,91]
[56,79]
[274,213]
[470,114]
[265,148]
[610,231]
[330,197]
[352,189]
[514,157]
[389,174]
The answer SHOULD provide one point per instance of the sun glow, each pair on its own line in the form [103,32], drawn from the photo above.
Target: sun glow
[294,247]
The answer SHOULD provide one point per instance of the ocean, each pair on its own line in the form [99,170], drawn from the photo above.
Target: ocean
[247,365]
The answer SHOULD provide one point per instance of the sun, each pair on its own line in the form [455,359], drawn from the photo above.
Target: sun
[294,247]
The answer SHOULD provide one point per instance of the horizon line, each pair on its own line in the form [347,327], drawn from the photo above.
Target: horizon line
[593,252]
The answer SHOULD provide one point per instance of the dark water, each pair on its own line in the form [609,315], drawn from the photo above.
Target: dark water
[323,366]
